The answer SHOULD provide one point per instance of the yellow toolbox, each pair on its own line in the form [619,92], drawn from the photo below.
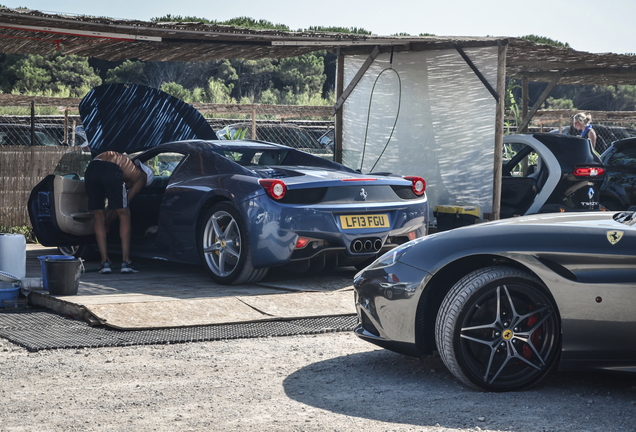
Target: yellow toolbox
[449,217]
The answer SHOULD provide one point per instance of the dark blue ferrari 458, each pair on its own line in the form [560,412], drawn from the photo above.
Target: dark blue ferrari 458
[237,207]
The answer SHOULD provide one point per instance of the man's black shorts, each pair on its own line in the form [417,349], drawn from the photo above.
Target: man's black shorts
[105,180]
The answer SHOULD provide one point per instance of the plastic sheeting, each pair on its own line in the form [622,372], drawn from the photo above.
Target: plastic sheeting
[426,114]
[128,118]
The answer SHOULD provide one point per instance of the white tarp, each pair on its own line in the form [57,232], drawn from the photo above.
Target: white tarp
[445,129]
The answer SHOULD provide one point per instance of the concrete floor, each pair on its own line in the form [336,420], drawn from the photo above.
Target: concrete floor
[165,295]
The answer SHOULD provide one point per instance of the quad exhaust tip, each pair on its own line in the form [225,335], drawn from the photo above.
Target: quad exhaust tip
[366,245]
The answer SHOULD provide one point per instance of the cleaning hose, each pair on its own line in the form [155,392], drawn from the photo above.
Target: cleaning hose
[364,145]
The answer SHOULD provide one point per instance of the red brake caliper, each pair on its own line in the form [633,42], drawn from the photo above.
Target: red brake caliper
[534,339]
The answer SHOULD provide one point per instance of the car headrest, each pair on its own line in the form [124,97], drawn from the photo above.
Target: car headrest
[269,158]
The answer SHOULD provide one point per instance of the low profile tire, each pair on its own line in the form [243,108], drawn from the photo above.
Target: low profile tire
[225,248]
[498,330]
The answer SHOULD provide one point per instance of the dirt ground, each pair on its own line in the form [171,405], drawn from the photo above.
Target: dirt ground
[328,382]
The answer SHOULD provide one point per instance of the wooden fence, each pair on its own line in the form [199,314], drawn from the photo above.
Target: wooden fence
[21,168]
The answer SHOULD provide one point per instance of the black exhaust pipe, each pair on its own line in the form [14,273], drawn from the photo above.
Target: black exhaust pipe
[377,245]
[368,245]
[357,246]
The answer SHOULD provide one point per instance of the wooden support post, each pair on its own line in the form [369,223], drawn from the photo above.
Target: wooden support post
[354,82]
[253,122]
[526,120]
[339,113]
[499,123]
[66,125]
[524,100]
[32,123]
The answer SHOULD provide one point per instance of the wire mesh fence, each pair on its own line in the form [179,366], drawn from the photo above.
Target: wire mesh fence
[51,130]
[609,126]
[307,128]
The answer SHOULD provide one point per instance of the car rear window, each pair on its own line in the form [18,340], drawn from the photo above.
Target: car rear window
[626,156]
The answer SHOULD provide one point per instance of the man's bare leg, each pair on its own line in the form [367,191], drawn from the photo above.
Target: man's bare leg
[100,233]
[124,233]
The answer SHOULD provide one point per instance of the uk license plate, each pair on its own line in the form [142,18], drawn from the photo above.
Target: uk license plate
[364,221]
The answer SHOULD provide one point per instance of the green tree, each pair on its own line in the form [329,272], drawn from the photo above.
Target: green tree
[54,73]
[559,104]
[244,77]
[218,92]
[235,22]
[323,29]
[270,97]
[32,75]
[545,40]
[606,98]
[304,73]
[7,72]
[329,61]
[128,72]
[252,23]
[177,91]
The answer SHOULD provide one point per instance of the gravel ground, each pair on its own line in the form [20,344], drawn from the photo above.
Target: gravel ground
[327,382]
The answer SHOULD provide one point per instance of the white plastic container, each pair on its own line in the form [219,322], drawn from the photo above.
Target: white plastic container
[13,254]
[32,283]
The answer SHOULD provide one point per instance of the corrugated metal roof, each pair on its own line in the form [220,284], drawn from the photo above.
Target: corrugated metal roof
[26,31]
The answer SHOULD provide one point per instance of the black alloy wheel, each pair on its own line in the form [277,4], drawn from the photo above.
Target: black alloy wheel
[498,330]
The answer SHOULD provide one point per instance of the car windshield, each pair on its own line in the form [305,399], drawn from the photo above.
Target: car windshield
[44,139]
[291,137]
[164,163]
[254,156]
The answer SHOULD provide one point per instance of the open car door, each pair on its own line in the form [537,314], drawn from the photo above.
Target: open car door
[58,205]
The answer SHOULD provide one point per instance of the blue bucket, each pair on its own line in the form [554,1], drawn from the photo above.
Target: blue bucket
[44,258]
[8,293]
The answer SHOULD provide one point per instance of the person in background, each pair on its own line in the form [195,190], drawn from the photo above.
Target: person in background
[582,124]
[112,175]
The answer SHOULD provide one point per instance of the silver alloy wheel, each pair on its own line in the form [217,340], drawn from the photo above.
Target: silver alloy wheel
[68,250]
[222,243]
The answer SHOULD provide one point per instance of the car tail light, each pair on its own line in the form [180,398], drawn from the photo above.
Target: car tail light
[275,188]
[302,242]
[392,278]
[412,235]
[589,171]
[417,183]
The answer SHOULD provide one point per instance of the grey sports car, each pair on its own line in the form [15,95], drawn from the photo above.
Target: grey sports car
[503,302]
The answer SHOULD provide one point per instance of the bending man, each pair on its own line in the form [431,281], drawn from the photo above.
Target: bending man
[112,175]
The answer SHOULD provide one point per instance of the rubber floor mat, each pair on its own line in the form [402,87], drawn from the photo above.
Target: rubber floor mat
[38,330]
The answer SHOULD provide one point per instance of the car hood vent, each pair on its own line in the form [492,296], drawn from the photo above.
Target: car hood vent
[272,173]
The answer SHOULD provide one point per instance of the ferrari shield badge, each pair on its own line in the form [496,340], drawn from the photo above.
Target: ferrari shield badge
[614,236]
